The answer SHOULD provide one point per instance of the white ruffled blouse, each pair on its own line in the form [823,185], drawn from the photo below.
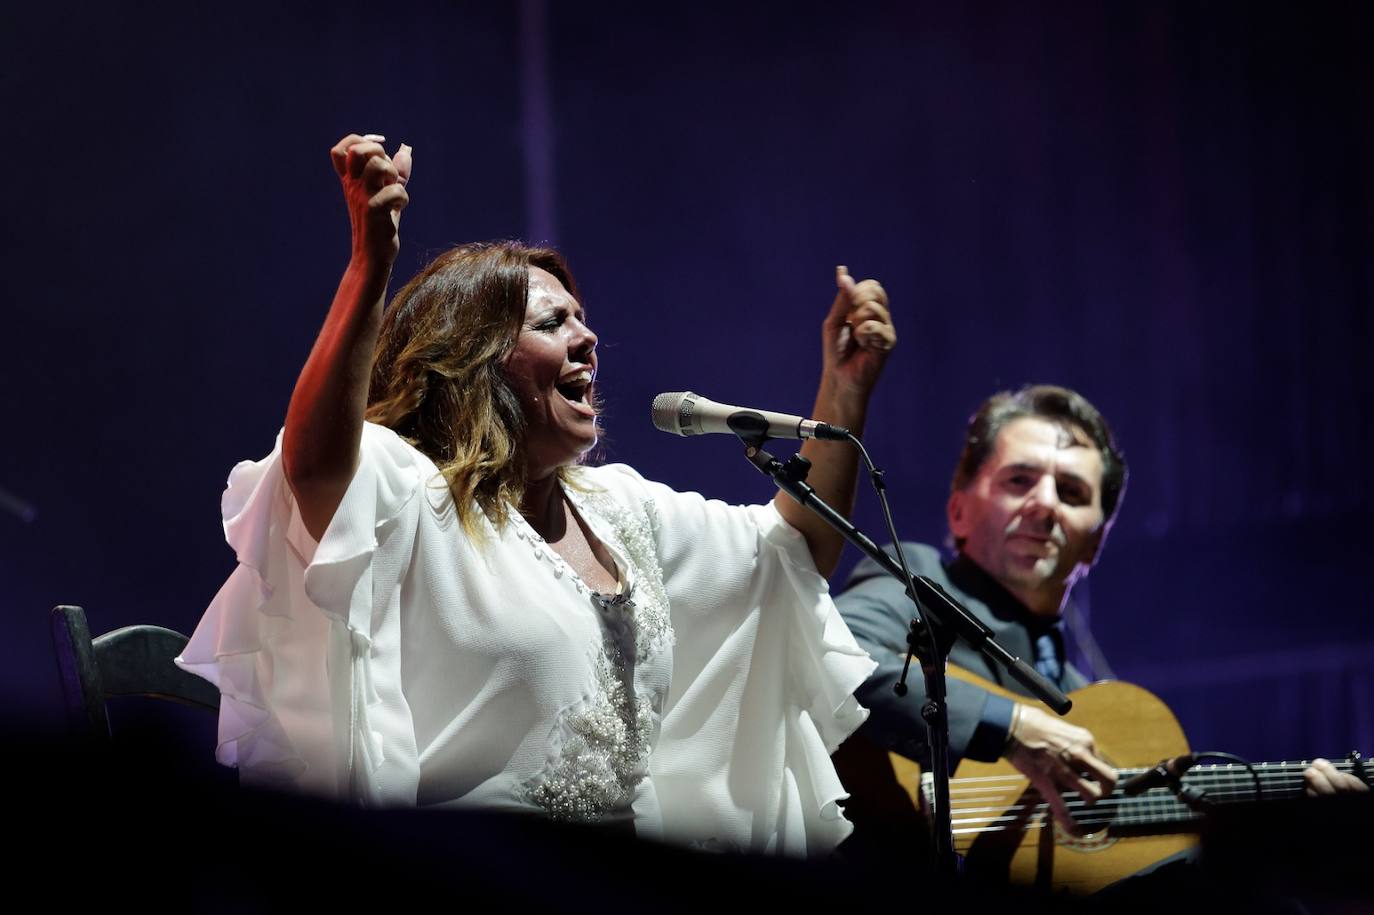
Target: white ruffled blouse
[396,662]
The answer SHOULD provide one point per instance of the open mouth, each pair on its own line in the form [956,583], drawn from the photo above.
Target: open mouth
[575,387]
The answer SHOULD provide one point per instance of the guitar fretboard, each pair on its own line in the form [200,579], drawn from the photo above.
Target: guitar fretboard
[1000,802]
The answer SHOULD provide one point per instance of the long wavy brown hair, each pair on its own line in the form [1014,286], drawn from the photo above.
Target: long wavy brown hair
[438,374]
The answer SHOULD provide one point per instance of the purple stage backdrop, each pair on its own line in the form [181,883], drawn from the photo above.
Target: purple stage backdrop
[1165,206]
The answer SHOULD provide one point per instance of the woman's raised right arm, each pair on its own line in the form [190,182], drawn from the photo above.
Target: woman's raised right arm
[324,421]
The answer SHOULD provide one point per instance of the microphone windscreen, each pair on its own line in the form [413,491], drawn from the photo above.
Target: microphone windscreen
[672,412]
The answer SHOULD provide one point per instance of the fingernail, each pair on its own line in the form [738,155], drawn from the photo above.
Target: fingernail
[405,147]
[374,137]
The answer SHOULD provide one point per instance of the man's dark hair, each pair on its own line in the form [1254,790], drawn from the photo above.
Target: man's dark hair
[1065,408]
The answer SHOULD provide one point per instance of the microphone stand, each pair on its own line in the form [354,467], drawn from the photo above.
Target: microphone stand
[932,601]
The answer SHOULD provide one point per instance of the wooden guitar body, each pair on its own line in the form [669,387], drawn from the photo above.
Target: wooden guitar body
[1006,832]
[1004,829]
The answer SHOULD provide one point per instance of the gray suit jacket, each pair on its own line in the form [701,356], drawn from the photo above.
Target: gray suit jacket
[878,612]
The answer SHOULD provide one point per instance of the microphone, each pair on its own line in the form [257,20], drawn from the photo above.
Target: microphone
[1167,772]
[685,413]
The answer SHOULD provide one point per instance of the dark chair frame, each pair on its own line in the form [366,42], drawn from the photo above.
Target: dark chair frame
[132,661]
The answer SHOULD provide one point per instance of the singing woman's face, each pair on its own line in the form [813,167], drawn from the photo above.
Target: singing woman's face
[551,369]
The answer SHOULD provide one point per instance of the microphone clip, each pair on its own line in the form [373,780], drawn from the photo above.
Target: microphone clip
[790,474]
[750,427]
[1167,773]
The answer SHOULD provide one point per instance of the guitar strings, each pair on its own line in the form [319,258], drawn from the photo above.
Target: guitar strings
[1240,789]
[1214,777]
[1015,804]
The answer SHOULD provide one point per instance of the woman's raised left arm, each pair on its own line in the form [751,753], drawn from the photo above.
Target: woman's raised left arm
[856,338]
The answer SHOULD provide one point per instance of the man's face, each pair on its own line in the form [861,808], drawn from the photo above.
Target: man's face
[1032,517]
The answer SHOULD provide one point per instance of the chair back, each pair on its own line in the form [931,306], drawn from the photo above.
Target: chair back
[132,661]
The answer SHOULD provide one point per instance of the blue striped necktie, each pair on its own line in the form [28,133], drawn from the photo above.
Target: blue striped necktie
[1047,658]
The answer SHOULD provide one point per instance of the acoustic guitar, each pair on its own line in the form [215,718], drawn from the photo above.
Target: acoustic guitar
[1006,832]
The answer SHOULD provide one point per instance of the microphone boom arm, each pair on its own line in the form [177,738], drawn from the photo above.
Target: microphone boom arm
[932,604]
[929,596]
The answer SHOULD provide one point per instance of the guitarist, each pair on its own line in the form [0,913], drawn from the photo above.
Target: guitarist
[1034,493]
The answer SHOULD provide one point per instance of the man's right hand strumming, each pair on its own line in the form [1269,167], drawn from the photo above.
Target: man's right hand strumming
[1057,756]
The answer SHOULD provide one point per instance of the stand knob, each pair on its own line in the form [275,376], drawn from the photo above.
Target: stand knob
[796,468]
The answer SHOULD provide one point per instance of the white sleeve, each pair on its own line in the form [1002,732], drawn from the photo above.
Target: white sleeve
[303,639]
[764,671]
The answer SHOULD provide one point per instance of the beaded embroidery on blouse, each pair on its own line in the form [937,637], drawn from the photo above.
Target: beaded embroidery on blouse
[654,631]
[602,744]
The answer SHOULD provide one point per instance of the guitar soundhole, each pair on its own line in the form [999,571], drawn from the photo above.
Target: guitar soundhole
[1088,842]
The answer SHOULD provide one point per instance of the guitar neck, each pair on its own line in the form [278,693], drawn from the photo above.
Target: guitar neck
[1220,784]
[1153,811]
